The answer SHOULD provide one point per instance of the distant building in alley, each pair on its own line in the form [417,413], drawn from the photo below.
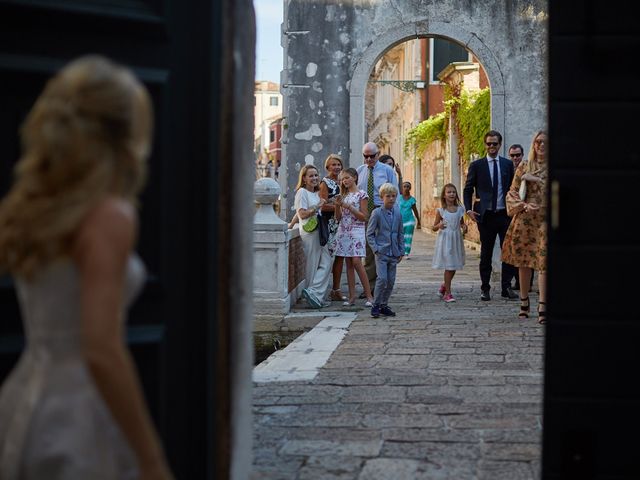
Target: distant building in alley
[404,89]
[267,131]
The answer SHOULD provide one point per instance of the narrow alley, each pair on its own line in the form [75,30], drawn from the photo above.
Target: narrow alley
[441,391]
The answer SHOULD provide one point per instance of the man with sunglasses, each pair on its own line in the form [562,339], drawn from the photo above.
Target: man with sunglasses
[489,178]
[372,174]
[515,154]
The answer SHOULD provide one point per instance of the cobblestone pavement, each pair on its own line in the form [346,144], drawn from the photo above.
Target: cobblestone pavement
[442,391]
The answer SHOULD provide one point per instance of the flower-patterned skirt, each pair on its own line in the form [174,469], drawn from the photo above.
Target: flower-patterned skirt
[525,244]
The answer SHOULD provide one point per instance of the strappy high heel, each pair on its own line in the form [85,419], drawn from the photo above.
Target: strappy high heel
[524,308]
[542,313]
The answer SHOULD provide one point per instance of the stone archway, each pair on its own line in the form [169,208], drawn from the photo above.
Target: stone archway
[330,47]
[411,31]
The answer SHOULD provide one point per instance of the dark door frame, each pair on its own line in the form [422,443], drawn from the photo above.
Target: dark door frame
[591,405]
[190,331]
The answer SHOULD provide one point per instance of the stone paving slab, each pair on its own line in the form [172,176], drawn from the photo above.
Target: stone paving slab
[302,358]
[442,391]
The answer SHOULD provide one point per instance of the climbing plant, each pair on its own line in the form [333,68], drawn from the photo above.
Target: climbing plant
[432,129]
[473,120]
[472,117]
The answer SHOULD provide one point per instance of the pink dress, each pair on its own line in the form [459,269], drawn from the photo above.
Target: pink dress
[350,239]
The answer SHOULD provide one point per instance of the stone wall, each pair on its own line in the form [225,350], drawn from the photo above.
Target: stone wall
[430,197]
[297,262]
[278,278]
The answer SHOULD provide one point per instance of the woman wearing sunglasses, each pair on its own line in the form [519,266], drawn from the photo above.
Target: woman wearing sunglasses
[525,245]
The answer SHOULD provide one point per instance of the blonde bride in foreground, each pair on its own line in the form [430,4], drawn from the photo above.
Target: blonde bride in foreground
[73,408]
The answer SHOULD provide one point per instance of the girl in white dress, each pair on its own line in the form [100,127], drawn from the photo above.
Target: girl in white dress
[449,252]
[351,212]
[319,261]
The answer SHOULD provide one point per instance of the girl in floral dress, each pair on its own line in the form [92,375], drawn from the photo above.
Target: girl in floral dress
[351,212]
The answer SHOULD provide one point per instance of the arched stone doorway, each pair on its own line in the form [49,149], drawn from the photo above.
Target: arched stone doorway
[394,37]
[330,48]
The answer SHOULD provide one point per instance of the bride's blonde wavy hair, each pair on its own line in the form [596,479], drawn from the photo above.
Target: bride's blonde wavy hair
[87,136]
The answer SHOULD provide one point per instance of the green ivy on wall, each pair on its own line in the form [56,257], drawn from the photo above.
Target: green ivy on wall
[432,129]
[473,120]
[472,112]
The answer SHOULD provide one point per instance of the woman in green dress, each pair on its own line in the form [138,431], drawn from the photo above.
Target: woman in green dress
[410,216]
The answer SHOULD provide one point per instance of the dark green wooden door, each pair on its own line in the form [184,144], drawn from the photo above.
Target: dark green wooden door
[591,404]
[182,51]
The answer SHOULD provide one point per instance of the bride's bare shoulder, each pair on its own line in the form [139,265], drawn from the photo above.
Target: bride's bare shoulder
[112,222]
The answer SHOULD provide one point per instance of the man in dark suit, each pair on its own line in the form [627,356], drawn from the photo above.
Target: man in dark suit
[490,178]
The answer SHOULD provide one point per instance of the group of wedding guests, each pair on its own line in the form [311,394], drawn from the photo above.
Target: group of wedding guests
[506,198]
[364,222]
[367,218]
[511,204]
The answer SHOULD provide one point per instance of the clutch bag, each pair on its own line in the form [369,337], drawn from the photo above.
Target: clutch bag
[523,190]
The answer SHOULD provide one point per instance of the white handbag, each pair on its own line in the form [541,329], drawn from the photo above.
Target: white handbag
[523,190]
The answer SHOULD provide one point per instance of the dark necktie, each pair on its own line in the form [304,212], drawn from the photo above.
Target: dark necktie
[494,200]
[370,204]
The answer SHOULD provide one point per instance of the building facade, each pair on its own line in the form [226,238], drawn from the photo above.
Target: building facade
[407,86]
[267,112]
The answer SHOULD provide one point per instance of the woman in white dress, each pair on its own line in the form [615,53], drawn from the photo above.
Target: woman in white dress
[73,408]
[319,260]
[449,253]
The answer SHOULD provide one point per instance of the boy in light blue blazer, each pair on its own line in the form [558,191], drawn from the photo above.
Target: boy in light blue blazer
[386,239]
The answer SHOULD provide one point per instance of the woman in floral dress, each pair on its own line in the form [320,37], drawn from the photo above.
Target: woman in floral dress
[525,244]
[351,211]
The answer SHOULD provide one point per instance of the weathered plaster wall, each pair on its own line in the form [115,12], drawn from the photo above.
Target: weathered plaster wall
[326,69]
[430,198]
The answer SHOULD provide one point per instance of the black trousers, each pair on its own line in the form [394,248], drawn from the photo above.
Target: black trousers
[512,273]
[493,223]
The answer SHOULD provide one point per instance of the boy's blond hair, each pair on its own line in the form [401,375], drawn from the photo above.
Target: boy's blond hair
[388,188]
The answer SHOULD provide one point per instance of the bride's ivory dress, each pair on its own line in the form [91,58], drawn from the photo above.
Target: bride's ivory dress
[54,424]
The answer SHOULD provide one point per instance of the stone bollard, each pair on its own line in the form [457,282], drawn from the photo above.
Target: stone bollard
[273,291]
